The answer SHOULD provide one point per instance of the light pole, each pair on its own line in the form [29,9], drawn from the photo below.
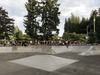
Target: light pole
[94,24]
[87,33]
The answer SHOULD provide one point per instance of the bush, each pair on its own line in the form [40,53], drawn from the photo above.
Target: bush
[73,36]
[92,37]
[55,37]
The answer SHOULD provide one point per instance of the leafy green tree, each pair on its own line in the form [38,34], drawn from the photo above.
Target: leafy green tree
[92,37]
[55,37]
[11,37]
[65,35]
[27,37]
[73,36]
[17,33]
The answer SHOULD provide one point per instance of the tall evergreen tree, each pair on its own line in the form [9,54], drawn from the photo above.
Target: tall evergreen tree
[98,28]
[75,19]
[50,19]
[72,24]
[31,24]
[6,24]
[91,19]
[48,10]
[99,12]
[66,26]
[83,26]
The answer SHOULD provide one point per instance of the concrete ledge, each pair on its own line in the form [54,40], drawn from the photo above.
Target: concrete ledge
[5,49]
[82,50]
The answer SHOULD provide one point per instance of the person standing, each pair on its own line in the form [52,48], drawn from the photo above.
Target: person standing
[4,43]
[13,43]
[67,43]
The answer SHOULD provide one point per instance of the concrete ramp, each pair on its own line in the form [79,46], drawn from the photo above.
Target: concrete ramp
[59,49]
[51,49]
[24,49]
[84,53]
[44,49]
[78,48]
[94,50]
[83,50]
[44,62]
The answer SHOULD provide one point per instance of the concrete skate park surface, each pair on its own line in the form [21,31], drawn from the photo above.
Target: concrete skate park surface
[50,60]
[35,63]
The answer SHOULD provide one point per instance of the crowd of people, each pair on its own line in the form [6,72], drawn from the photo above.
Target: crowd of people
[60,42]
[43,42]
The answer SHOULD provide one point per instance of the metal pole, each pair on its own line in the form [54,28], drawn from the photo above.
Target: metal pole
[94,23]
[87,33]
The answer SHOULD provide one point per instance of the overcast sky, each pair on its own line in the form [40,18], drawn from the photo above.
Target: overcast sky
[81,8]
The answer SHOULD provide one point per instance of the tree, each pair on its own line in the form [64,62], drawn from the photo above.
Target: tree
[83,26]
[98,28]
[17,33]
[99,12]
[48,10]
[55,37]
[31,24]
[6,24]
[73,36]
[72,25]
[66,26]
[27,37]
[92,37]
[94,13]
[50,19]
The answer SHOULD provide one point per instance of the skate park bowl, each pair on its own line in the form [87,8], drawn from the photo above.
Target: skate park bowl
[82,50]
